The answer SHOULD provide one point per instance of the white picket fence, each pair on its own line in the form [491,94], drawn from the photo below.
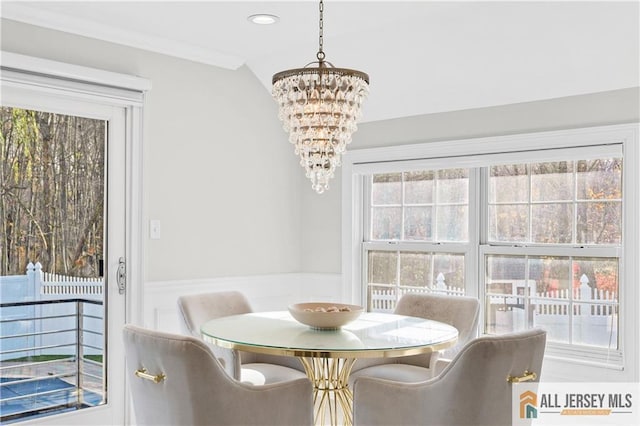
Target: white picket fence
[385,299]
[582,300]
[556,302]
[62,285]
[37,284]
[580,315]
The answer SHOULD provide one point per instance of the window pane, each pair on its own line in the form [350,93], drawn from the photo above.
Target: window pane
[418,187]
[453,186]
[508,184]
[599,179]
[52,244]
[386,223]
[594,322]
[415,269]
[595,325]
[453,223]
[508,208]
[417,223]
[505,279]
[502,271]
[553,315]
[573,299]
[600,274]
[584,196]
[411,216]
[382,267]
[509,222]
[382,298]
[552,223]
[553,287]
[386,189]
[449,272]
[422,272]
[599,223]
[552,274]
[552,181]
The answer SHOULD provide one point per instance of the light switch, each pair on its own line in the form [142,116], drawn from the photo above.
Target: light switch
[154,229]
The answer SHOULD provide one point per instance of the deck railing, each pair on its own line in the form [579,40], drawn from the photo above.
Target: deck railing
[52,356]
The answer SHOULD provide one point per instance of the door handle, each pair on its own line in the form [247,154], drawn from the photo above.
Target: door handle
[526,377]
[121,276]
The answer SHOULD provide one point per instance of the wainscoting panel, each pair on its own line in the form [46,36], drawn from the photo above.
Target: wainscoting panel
[265,293]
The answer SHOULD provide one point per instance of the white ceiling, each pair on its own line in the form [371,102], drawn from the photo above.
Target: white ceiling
[422,56]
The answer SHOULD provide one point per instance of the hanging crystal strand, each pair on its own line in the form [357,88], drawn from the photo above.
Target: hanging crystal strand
[319,107]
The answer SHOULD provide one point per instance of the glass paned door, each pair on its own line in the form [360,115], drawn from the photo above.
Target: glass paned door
[61,208]
[52,239]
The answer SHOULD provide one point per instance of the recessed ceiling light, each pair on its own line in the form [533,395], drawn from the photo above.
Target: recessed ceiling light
[263,19]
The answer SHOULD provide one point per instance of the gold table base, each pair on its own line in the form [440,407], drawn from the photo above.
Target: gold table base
[332,398]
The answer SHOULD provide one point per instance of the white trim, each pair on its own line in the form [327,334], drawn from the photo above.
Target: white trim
[265,293]
[351,234]
[76,417]
[417,246]
[28,97]
[77,73]
[630,294]
[586,136]
[551,250]
[432,155]
[469,152]
[135,249]
[112,34]
[473,256]
[62,88]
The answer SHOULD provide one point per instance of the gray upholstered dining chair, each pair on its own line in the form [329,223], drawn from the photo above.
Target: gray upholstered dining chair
[472,390]
[177,380]
[459,311]
[258,369]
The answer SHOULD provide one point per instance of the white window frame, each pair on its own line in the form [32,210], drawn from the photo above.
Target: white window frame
[568,364]
[467,249]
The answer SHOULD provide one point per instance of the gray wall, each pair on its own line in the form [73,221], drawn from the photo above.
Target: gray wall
[231,196]
[218,171]
[322,246]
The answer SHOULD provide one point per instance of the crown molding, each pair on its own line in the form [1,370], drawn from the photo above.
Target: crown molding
[31,15]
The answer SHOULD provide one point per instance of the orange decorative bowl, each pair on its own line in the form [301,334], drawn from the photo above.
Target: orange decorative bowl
[325,315]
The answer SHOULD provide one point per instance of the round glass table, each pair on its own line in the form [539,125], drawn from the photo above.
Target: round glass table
[329,355]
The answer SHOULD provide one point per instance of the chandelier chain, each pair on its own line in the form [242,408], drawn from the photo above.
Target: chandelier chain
[320,54]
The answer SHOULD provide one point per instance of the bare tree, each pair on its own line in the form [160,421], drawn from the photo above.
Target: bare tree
[52,192]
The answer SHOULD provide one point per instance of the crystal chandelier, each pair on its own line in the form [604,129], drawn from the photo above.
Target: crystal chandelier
[319,107]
